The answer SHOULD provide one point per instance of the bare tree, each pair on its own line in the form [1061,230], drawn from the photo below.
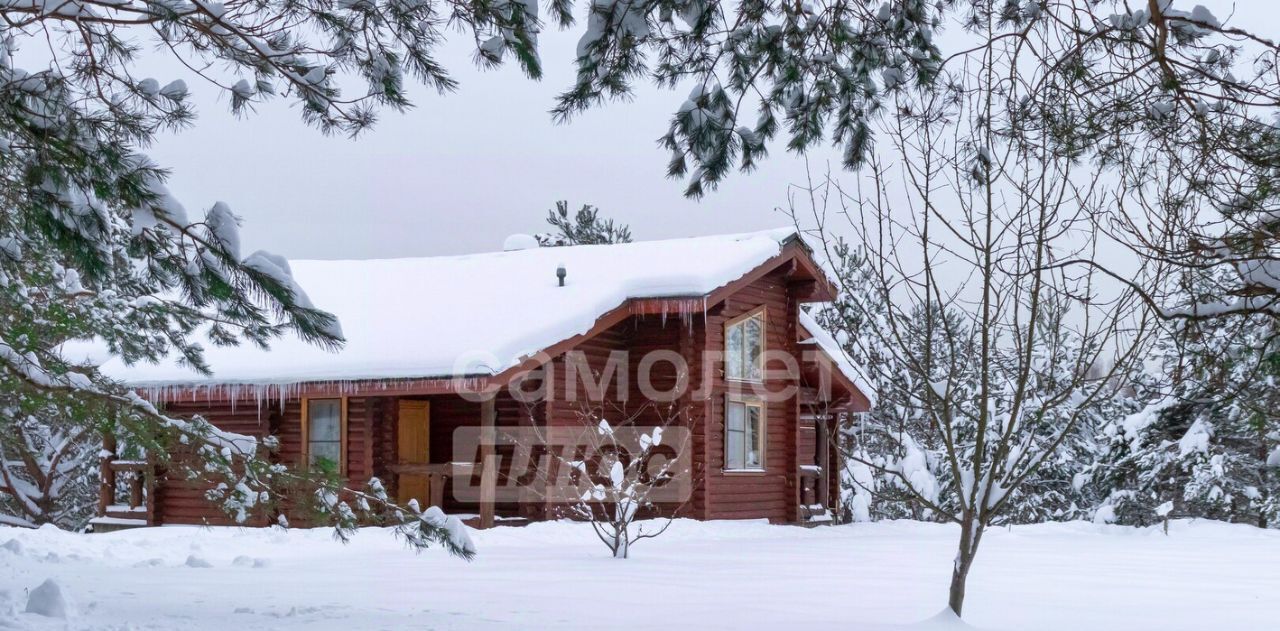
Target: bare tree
[988,349]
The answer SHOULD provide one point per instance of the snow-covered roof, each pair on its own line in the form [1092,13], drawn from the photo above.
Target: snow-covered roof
[841,359]
[468,315]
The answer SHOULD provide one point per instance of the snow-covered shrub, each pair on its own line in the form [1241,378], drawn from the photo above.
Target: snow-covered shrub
[626,476]
[615,491]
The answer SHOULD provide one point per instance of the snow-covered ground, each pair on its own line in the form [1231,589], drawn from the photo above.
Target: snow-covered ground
[1203,575]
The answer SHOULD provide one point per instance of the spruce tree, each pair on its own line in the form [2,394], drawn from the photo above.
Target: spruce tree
[1200,447]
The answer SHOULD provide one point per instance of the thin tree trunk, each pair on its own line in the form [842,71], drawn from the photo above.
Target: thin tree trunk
[959,575]
[970,535]
[1264,473]
[620,545]
[956,596]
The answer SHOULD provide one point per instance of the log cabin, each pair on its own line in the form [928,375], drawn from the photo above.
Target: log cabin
[434,346]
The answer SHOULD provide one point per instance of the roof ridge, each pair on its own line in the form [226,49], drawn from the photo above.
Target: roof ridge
[782,234]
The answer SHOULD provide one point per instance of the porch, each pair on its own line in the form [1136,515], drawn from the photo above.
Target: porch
[409,443]
[406,442]
[427,464]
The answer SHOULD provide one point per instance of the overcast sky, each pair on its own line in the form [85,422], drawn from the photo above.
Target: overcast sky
[459,172]
[462,171]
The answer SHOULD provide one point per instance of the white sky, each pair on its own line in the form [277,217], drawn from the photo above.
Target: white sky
[458,173]
[462,171]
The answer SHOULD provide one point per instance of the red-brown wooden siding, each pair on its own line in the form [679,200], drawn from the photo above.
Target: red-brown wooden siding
[769,494]
[181,501]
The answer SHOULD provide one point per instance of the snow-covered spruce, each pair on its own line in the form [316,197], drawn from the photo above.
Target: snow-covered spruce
[1203,442]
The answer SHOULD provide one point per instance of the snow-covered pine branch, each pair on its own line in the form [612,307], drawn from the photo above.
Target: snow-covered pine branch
[1181,106]
[48,471]
[96,253]
[586,227]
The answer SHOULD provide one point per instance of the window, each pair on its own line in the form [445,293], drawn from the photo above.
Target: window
[743,435]
[324,431]
[744,347]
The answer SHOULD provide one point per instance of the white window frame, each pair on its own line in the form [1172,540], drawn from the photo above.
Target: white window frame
[758,314]
[761,444]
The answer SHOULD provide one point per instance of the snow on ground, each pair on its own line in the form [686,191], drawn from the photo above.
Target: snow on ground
[719,575]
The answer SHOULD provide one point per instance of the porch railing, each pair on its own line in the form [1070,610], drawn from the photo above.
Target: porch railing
[814,492]
[126,496]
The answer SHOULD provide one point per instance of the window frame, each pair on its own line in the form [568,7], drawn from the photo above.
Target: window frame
[342,431]
[762,313]
[762,432]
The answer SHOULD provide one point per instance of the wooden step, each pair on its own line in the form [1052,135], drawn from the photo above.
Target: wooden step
[474,521]
[112,524]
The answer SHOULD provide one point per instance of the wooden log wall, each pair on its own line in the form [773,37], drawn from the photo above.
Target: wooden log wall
[772,493]
[182,501]
[717,494]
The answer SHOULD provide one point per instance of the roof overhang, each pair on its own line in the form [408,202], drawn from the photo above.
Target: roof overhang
[846,395]
[795,258]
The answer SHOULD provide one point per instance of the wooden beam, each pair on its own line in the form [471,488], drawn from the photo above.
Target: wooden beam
[806,290]
[856,400]
[372,408]
[803,258]
[488,471]
[107,474]
[152,483]
[306,438]
[531,506]
[343,438]
[824,461]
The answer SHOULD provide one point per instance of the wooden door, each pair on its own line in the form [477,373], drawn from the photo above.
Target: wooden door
[414,448]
